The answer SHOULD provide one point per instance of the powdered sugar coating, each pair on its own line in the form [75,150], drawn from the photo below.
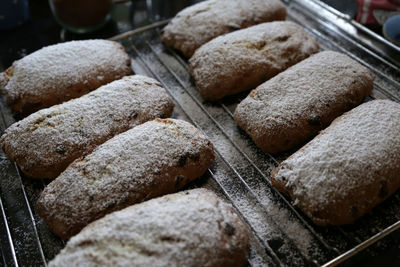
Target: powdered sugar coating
[198,24]
[349,167]
[244,59]
[190,228]
[152,159]
[63,71]
[46,142]
[293,106]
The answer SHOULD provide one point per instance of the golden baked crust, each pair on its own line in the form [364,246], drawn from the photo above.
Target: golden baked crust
[46,142]
[242,60]
[190,228]
[150,160]
[198,24]
[295,105]
[349,168]
[61,72]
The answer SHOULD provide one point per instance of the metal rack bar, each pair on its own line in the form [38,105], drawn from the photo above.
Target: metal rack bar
[9,237]
[363,245]
[140,30]
[31,217]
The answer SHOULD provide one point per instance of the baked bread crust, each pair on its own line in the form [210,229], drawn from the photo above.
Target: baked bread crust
[198,24]
[46,142]
[295,105]
[153,159]
[349,168]
[61,72]
[242,60]
[190,228]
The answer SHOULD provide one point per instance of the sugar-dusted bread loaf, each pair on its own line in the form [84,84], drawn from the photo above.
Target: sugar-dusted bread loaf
[242,60]
[60,72]
[295,105]
[198,24]
[349,168]
[46,142]
[153,159]
[190,228]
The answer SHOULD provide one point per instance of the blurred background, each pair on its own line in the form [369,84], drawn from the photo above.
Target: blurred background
[33,25]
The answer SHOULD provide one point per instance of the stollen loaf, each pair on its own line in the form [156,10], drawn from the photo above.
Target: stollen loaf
[46,142]
[349,168]
[244,59]
[190,228]
[153,159]
[198,24]
[295,105]
[61,72]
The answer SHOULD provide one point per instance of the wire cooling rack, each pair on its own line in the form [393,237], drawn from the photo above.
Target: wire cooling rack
[280,234]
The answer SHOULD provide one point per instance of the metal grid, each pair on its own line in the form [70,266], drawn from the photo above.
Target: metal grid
[281,234]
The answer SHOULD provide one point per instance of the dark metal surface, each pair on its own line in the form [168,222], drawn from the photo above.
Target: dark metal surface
[280,233]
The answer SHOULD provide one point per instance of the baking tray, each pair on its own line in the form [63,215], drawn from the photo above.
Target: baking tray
[281,235]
